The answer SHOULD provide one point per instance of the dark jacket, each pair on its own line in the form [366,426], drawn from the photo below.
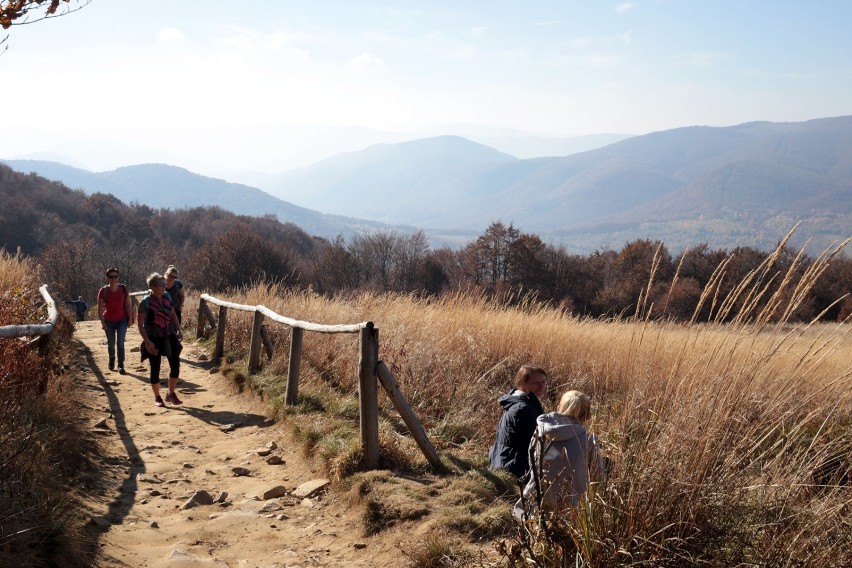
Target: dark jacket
[516,428]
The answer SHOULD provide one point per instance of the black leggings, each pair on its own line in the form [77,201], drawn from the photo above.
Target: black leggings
[174,358]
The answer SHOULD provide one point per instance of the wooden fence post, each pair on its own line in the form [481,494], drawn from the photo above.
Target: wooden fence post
[294,366]
[256,340]
[368,395]
[267,342]
[199,325]
[220,334]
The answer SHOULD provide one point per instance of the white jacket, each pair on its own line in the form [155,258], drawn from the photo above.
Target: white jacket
[571,459]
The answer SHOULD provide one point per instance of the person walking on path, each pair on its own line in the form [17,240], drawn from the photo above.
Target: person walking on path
[115,314]
[160,331]
[175,290]
[80,307]
[521,407]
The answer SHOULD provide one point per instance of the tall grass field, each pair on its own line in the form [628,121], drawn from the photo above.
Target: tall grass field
[730,442]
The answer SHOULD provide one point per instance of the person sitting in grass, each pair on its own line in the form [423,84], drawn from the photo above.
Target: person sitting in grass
[566,457]
[521,407]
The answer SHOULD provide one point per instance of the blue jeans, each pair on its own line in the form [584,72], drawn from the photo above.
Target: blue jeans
[113,327]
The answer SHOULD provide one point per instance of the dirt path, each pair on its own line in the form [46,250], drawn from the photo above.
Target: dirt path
[156,459]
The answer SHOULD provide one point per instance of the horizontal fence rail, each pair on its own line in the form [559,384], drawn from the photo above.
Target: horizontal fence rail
[33,330]
[371,370]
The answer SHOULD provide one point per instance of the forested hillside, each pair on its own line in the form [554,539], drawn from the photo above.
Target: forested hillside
[75,237]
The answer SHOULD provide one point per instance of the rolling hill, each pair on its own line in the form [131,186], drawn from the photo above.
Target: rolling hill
[727,186]
[171,187]
[745,184]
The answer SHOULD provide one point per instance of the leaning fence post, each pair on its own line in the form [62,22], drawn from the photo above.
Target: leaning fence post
[220,334]
[294,366]
[368,394]
[256,340]
[395,395]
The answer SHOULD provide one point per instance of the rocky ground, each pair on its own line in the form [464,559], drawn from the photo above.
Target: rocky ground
[212,482]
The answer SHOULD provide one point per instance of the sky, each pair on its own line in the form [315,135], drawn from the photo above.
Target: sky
[219,87]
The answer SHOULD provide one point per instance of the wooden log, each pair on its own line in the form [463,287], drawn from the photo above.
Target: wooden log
[391,386]
[267,342]
[220,334]
[310,326]
[368,395]
[33,330]
[256,340]
[306,325]
[294,366]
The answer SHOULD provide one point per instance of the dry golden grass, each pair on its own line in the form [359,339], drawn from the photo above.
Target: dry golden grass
[17,272]
[41,442]
[730,442]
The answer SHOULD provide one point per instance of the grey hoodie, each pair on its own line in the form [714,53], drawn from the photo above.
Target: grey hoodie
[571,458]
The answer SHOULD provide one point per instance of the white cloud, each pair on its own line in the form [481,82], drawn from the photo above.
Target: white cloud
[170,35]
[625,7]
[365,62]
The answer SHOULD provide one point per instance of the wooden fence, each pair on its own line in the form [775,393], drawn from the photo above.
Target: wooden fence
[42,331]
[371,371]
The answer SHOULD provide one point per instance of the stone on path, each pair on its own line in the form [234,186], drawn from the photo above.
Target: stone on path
[274,460]
[277,491]
[200,497]
[311,487]
[241,471]
[146,478]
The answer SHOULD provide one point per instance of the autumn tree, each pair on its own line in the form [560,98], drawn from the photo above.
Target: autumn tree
[237,258]
[17,12]
[335,267]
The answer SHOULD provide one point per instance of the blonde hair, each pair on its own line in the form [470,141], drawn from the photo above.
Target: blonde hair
[170,269]
[575,404]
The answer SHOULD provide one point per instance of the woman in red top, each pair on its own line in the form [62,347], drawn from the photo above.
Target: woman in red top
[115,313]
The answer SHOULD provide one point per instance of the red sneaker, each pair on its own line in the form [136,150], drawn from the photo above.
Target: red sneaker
[173,398]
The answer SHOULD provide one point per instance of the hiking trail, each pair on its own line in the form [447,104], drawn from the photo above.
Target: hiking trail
[155,460]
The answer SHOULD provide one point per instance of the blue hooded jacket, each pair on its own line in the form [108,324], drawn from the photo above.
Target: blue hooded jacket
[514,432]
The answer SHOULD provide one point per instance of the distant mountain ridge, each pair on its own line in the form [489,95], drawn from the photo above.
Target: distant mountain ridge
[172,187]
[727,186]
[745,184]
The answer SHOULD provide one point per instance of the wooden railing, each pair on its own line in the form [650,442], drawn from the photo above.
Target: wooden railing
[35,330]
[371,371]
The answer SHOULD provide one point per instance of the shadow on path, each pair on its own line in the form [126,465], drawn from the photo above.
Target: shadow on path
[120,507]
[225,419]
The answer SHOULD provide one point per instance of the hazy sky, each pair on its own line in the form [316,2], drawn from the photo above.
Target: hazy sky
[216,86]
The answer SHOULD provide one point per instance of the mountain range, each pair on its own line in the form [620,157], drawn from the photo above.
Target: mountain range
[727,186]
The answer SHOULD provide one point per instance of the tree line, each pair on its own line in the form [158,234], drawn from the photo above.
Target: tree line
[76,236]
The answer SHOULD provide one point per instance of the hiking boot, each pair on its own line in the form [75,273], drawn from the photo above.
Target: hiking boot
[112,364]
[158,401]
[121,370]
[173,398]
